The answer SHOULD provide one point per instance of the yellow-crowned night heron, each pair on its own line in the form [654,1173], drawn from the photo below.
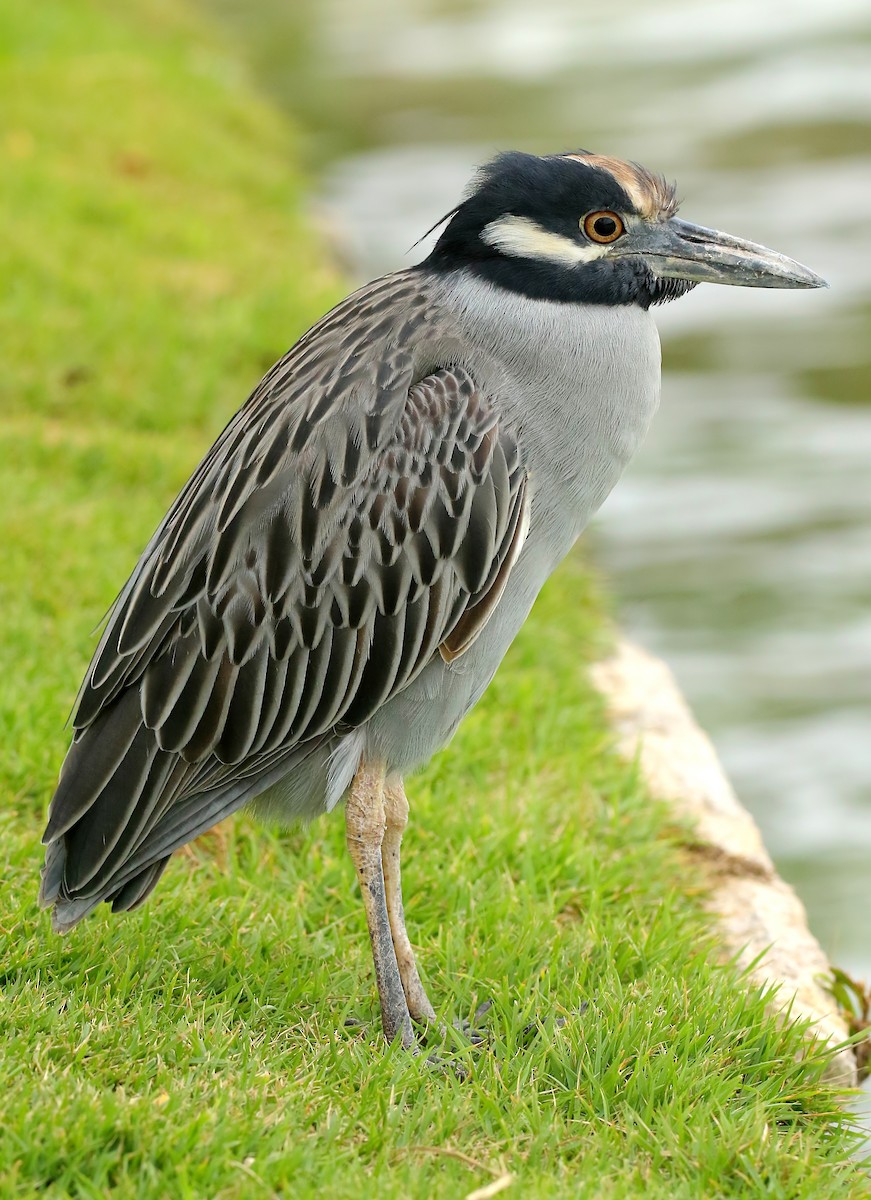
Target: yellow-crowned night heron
[338,581]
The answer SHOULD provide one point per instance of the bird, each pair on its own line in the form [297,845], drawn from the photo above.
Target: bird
[336,584]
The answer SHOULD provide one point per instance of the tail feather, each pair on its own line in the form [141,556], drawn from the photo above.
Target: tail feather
[52,874]
[124,806]
[137,890]
[90,764]
[107,833]
[119,817]
[67,913]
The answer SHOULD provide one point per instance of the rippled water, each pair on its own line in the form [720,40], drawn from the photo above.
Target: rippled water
[740,541]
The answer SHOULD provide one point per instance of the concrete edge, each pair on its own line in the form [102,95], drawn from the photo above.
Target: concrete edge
[762,921]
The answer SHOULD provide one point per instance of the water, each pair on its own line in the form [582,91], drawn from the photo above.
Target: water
[740,541]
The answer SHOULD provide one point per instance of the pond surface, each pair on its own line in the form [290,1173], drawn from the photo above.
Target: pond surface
[739,542]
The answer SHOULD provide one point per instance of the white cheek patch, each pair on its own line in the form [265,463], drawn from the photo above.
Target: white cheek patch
[522,237]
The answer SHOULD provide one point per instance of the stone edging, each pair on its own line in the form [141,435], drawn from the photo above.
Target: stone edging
[762,920]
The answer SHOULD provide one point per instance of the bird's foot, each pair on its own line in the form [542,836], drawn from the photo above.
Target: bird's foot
[475,1031]
[472,1028]
[434,1039]
[544,1025]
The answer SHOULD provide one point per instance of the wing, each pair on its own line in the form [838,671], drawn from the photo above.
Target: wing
[348,525]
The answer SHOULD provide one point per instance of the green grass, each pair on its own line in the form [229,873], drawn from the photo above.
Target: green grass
[153,261]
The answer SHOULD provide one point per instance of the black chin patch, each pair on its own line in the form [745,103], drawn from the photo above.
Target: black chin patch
[663,290]
[609,281]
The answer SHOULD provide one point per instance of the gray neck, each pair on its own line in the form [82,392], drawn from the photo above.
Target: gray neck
[579,382]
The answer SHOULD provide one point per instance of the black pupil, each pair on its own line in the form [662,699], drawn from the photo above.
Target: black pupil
[605,226]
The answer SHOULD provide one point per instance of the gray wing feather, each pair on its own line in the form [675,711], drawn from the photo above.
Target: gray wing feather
[349,522]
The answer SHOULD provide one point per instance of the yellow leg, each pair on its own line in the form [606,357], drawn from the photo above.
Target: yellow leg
[365,824]
[396,818]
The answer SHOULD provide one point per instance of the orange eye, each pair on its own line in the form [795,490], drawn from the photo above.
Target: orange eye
[603,226]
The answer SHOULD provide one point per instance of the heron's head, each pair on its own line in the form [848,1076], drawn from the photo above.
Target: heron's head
[584,227]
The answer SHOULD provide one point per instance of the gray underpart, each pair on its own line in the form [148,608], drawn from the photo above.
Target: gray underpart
[582,384]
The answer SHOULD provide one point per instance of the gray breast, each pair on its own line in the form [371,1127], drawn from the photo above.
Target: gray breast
[580,381]
[580,384]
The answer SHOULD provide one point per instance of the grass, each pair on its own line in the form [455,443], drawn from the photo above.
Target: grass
[154,261]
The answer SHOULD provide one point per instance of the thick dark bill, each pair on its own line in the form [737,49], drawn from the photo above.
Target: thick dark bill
[679,250]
